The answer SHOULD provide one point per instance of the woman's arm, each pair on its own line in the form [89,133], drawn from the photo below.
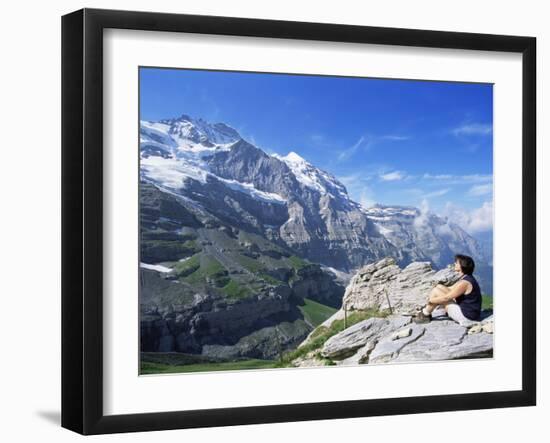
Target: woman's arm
[455,291]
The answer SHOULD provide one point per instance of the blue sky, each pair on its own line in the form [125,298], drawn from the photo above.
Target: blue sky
[426,144]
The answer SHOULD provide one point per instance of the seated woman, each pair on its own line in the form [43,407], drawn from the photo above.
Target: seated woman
[462,301]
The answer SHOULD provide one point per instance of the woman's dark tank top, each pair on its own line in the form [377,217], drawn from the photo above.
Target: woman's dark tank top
[470,304]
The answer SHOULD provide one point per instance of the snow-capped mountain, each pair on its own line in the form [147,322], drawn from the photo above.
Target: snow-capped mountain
[312,177]
[173,150]
[288,200]
[409,228]
[186,130]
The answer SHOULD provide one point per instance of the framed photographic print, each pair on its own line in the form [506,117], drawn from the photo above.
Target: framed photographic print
[268,221]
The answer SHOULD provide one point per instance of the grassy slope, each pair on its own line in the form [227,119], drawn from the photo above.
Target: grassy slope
[200,269]
[316,313]
[159,368]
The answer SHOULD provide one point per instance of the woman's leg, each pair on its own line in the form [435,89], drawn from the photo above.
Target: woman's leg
[438,291]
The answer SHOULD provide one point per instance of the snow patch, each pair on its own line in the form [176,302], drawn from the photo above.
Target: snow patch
[292,157]
[158,268]
[311,177]
[248,188]
[340,275]
[170,172]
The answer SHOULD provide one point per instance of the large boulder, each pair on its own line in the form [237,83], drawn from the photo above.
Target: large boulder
[384,284]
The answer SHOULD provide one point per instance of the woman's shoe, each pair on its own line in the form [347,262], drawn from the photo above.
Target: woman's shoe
[420,317]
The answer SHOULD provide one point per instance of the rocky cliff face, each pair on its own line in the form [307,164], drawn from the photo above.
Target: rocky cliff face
[321,223]
[209,288]
[212,326]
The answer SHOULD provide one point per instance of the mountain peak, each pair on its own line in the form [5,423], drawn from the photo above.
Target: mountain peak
[184,117]
[200,131]
[313,177]
[294,158]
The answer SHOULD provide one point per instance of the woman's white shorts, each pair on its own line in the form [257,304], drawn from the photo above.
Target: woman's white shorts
[454,312]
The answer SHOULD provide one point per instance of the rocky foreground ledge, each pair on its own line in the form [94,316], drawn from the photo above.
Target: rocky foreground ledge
[395,337]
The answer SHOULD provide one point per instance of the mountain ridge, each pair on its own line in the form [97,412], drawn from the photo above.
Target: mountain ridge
[318,205]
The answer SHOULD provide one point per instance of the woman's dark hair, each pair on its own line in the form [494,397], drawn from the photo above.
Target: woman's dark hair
[466,263]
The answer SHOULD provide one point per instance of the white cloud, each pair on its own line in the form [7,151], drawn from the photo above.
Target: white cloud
[366,200]
[317,138]
[394,137]
[421,220]
[473,129]
[367,141]
[476,220]
[358,190]
[437,176]
[438,193]
[392,176]
[350,180]
[478,190]
[250,139]
[417,192]
[364,195]
[413,191]
[450,179]
[444,229]
[347,153]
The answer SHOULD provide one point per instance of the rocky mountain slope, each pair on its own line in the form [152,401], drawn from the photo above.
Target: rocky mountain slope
[212,289]
[288,200]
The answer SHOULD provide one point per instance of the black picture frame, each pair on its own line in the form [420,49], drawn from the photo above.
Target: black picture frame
[82,215]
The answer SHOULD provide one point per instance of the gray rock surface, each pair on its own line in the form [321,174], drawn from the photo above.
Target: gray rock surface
[361,356]
[383,284]
[397,339]
[390,346]
[347,342]
[446,340]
